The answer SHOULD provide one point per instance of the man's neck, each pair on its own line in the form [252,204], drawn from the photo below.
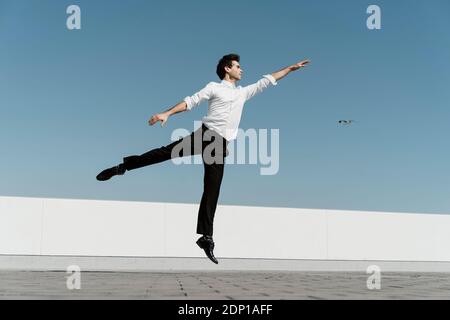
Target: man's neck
[231,80]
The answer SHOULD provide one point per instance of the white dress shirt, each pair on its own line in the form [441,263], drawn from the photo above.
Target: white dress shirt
[225,104]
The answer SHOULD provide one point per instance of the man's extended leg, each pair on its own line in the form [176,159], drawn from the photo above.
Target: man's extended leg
[186,146]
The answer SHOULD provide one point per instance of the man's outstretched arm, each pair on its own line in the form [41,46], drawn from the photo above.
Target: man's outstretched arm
[187,104]
[180,107]
[253,89]
[284,72]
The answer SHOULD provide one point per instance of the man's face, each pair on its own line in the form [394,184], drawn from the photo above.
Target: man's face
[235,72]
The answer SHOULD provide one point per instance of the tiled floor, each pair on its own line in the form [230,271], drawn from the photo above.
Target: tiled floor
[223,285]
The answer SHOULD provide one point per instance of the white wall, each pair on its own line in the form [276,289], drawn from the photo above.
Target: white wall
[54,227]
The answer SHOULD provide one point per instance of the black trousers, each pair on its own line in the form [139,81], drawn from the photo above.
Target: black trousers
[213,149]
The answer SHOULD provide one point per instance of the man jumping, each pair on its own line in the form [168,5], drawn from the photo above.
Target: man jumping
[219,127]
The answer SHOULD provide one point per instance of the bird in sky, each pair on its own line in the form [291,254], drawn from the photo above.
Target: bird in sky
[346,122]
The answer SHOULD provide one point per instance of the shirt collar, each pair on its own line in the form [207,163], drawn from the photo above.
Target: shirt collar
[229,84]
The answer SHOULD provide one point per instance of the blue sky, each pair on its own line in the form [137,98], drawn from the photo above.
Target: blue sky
[75,102]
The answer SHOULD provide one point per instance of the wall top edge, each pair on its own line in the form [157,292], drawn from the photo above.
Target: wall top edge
[341,211]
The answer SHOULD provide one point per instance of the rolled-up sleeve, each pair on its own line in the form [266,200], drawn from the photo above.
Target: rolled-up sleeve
[253,89]
[199,97]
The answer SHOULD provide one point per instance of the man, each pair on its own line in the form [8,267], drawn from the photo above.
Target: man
[226,101]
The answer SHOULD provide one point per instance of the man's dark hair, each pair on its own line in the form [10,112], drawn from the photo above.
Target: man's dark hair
[226,61]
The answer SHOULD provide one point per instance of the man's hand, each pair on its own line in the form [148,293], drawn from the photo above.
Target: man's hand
[299,65]
[158,117]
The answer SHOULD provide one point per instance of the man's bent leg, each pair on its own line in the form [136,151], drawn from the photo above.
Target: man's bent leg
[211,189]
[212,181]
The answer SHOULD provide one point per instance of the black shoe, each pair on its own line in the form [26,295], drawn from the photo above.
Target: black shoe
[111,172]
[207,244]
